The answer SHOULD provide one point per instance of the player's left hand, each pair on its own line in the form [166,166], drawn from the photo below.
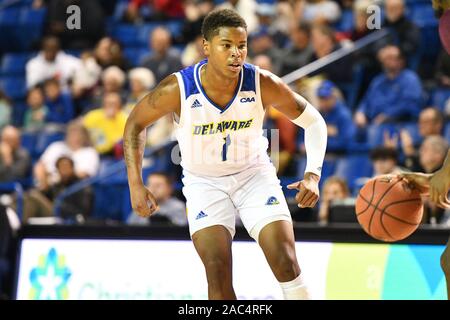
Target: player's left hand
[308,190]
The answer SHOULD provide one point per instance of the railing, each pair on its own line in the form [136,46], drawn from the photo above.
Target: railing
[334,56]
[110,171]
[18,189]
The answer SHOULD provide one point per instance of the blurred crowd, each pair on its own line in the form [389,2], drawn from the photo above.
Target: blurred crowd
[379,102]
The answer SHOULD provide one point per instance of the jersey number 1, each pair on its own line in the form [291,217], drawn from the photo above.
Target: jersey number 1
[226,143]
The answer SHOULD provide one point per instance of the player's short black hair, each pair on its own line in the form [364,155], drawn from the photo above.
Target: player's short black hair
[221,18]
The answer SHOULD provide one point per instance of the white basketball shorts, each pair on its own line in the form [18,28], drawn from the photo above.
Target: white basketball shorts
[255,194]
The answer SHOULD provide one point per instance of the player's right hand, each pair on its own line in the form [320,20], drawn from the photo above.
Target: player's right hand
[417,180]
[142,201]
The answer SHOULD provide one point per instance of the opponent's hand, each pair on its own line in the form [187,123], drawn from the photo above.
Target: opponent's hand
[142,201]
[439,185]
[308,190]
[417,180]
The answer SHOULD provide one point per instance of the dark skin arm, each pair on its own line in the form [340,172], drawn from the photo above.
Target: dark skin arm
[277,94]
[164,99]
[435,184]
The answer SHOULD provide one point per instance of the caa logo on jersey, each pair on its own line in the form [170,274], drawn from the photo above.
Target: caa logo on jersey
[244,100]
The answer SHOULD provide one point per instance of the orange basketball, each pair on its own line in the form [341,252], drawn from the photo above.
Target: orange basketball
[388,209]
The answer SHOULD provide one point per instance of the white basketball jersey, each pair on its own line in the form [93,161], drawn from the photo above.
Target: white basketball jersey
[217,141]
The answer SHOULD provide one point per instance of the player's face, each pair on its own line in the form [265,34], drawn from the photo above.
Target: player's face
[227,51]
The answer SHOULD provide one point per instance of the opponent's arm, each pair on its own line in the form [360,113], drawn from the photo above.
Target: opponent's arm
[276,94]
[165,98]
[436,184]
[440,184]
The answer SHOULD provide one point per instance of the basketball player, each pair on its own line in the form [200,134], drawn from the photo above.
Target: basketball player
[218,108]
[437,185]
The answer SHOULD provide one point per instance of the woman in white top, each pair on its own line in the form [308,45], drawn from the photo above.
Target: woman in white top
[77,146]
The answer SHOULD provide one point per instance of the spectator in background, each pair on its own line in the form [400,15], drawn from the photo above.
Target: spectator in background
[246,9]
[170,209]
[324,42]
[108,52]
[394,95]
[140,10]
[5,110]
[431,122]
[263,61]
[384,161]
[37,111]
[92,26]
[163,60]
[333,189]
[431,156]
[51,62]
[59,104]
[113,81]
[337,117]
[15,161]
[261,43]
[443,70]
[87,76]
[142,81]
[77,146]
[267,18]
[195,11]
[276,120]
[299,51]
[403,33]
[317,11]
[77,206]
[193,52]
[106,124]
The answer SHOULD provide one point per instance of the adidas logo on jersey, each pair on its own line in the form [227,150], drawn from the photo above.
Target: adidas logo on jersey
[196,104]
[271,201]
[200,215]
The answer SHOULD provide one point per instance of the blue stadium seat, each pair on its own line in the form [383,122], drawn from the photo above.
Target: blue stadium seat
[346,23]
[126,34]
[18,112]
[144,33]
[440,97]
[14,63]
[29,141]
[351,89]
[422,14]
[447,132]
[44,139]
[34,17]
[132,55]
[353,167]
[9,16]
[175,27]
[109,201]
[14,87]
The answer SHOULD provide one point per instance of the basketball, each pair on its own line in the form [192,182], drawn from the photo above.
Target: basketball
[444,30]
[388,209]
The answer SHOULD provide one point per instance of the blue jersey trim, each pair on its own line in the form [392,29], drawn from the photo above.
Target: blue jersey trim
[187,74]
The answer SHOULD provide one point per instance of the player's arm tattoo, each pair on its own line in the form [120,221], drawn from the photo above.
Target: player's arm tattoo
[134,144]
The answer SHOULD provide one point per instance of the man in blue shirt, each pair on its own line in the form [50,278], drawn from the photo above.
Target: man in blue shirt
[337,117]
[394,95]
